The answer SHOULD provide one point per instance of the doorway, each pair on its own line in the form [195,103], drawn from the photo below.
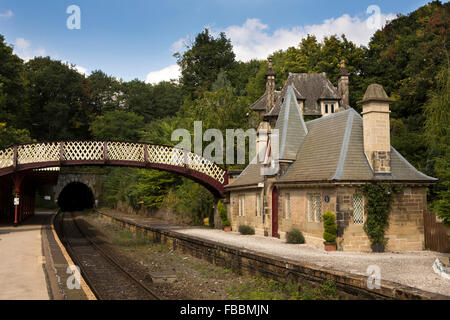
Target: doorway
[275,212]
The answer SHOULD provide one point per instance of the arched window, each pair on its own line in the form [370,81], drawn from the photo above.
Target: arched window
[332,108]
[326,108]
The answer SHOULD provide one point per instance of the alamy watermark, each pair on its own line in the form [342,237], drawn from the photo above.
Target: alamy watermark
[374,22]
[74,280]
[237,147]
[374,277]
[74,20]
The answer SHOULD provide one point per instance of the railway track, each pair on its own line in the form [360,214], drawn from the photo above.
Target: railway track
[106,277]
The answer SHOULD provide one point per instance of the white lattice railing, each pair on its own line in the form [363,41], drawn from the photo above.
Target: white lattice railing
[6,158]
[114,151]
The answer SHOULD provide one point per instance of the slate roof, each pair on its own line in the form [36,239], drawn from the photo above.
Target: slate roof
[291,126]
[261,103]
[328,149]
[333,150]
[251,176]
[310,87]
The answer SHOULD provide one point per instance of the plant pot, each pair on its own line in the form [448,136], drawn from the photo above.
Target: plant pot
[330,247]
[377,247]
[227,229]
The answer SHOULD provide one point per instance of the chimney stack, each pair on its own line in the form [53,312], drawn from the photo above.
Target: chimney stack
[343,83]
[270,87]
[377,136]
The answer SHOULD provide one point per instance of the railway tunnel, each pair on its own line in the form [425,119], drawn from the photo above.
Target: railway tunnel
[76,196]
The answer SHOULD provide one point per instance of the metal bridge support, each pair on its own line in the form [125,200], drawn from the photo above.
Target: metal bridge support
[23,198]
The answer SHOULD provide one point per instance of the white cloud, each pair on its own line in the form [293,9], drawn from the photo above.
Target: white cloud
[82,70]
[24,49]
[172,72]
[6,15]
[253,39]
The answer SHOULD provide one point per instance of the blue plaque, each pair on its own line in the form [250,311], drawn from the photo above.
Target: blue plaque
[327,199]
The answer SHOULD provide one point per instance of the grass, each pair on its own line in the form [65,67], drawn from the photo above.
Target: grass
[259,288]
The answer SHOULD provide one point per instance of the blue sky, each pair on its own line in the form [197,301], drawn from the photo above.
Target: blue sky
[137,38]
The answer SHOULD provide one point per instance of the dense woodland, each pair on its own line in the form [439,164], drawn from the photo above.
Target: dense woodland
[45,99]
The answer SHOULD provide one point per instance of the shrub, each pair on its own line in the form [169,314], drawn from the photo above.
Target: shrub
[379,200]
[247,230]
[223,214]
[330,227]
[295,236]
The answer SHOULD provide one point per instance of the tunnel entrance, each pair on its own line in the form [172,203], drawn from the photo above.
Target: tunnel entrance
[76,196]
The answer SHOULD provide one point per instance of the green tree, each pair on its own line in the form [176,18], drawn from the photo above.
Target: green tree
[202,62]
[59,106]
[12,85]
[10,136]
[118,125]
[105,92]
[437,128]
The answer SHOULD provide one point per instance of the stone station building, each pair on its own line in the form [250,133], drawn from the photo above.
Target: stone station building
[323,162]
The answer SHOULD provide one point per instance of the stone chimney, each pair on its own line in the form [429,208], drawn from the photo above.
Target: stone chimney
[377,136]
[270,87]
[343,83]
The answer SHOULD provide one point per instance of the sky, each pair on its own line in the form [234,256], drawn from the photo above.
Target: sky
[131,39]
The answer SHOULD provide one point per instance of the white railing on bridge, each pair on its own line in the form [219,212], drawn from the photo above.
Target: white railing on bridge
[108,151]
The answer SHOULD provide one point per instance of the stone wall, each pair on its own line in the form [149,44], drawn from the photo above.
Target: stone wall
[405,232]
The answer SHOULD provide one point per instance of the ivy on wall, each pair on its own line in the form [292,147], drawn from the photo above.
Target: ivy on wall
[379,201]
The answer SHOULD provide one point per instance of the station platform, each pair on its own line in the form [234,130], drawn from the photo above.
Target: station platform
[33,263]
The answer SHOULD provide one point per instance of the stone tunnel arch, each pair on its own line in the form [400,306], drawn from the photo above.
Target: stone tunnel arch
[76,196]
[93,181]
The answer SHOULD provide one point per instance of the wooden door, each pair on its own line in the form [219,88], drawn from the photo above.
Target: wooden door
[275,213]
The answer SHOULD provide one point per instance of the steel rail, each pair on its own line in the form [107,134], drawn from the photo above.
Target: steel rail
[111,260]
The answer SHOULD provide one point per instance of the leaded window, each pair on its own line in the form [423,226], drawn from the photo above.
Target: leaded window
[314,208]
[358,209]
[242,206]
[288,205]
[258,205]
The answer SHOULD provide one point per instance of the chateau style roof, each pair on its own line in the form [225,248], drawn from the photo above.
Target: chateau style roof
[310,87]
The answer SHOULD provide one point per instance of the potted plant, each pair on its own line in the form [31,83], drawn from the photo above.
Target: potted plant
[330,230]
[226,225]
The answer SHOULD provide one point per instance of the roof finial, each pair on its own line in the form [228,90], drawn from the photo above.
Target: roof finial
[344,71]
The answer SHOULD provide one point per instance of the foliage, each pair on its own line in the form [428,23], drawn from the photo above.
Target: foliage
[295,236]
[223,214]
[378,204]
[12,85]
[246,230]
[259,288]
[202,62]
[10,136]
[119,185]
[105,92]
[190,200]
[437,130]
[118,125]
[330,227]
[59,106]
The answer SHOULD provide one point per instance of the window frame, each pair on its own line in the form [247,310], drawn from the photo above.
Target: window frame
[360,197]
[287,203]
[258,205]
[315,207]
